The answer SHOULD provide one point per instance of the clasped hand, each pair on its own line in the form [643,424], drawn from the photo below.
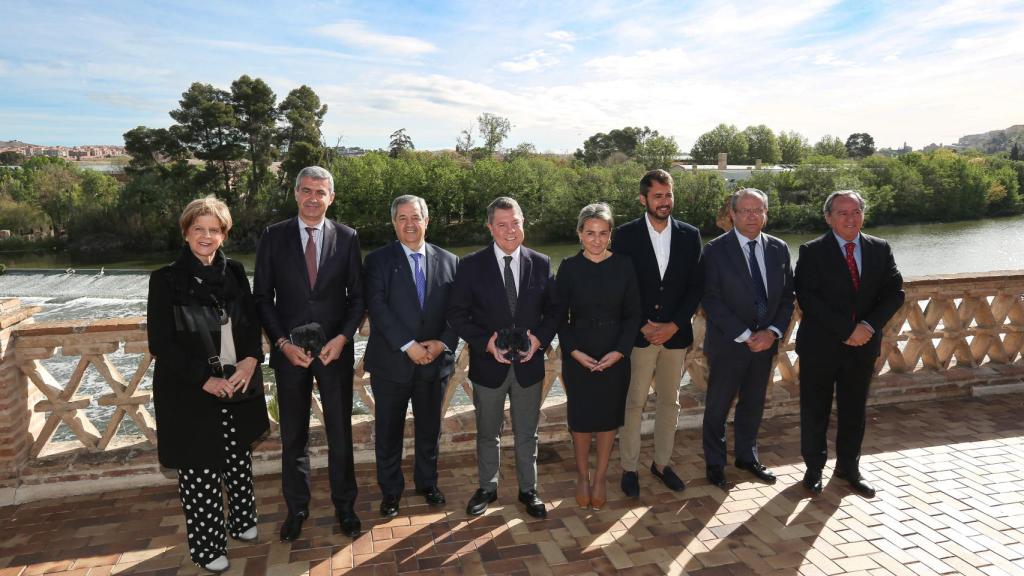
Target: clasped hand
[860,336]
[606,361]
[658,333]
[238,382]
[499,354]
[302,358]
[425,352]
[761,340]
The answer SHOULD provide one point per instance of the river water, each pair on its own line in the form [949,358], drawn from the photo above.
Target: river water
[921,249]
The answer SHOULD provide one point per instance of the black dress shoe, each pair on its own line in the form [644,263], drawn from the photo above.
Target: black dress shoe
[630,484]
[669,478]
[534,505]
[432,495]
[292,526]
[757,469]
[812,481]
[478,503]
[857,482]
[389,506]
[716,476]
[350,524]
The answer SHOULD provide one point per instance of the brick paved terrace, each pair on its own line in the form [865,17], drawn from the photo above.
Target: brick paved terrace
[950,475]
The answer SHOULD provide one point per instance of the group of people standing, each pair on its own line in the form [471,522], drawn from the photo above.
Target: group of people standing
[621,309]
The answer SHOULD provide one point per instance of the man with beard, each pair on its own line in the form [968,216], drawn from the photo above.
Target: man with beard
[666,255]
[309,270]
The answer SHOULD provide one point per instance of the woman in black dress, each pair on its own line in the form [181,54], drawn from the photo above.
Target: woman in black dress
[596,337]
[204,332]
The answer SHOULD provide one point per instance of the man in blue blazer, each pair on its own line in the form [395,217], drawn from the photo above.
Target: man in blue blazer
[748,301]
[666,255]
[411,351]
[505,286]
[309,269]
[848,288]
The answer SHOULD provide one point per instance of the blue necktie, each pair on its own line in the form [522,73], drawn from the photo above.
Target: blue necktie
[421,278]
[760,294]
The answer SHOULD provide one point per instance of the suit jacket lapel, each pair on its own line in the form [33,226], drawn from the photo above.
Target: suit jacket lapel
[405,282]
[497,277]
[647,248]
[431,265]
[525,270]
[327,250]
[838,258]
[739,260]
[293,244]
[773,271]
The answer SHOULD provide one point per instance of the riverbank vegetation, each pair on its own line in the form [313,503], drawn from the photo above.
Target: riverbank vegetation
[245,147]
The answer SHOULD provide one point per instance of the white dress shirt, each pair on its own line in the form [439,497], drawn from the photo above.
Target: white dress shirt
[661,242]
[412,267]
[500,255]
[759,254]
[318,237]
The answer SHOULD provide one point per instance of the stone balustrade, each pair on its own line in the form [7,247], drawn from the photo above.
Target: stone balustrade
[956,335]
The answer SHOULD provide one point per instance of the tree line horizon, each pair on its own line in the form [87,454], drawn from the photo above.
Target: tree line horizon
[240,133]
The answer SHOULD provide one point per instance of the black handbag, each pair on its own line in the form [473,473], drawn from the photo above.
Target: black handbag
[310,337]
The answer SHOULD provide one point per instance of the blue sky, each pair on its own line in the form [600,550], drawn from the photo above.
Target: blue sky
[921,72]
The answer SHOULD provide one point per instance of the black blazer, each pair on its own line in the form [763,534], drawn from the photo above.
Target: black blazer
[187,417]
[478,308]
[396,316]
[831,309]
[729,297]
[282,290]
[676,296]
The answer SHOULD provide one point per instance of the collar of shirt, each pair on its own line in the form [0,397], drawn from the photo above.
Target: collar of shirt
[654,233]
[856,248]
[412,263]
[500,255]
[319,228]
[743,240]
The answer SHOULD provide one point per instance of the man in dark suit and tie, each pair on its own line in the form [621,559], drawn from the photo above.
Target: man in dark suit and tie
[505,288]
[410,353]
[848,288]
[308,269]
[666,255]
[748,302]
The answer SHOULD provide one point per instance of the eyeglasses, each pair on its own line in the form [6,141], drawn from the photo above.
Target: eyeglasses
[200,231]
[751,211]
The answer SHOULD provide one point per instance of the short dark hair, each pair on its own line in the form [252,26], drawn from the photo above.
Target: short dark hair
[660,176]
[503,203]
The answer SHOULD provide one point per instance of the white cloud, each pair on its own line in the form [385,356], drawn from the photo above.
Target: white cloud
[561,36]
[643,63]
[355,33]
[529,62]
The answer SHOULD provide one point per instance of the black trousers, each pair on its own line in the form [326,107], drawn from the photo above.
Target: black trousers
[202,498]
[847,375]
[294,397]
[392,401]
[734,372]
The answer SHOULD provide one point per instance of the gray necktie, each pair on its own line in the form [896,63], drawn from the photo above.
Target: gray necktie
[760,294]
[510,285]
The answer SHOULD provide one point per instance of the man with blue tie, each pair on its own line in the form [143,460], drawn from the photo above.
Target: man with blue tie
[410,353]
[748,302]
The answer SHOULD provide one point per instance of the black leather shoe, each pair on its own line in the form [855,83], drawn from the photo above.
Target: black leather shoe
[389,506]
[534,505]
[292,526]
[716,476]
[669,478]
[478,503]
[812,481]
[757,469]
[857,482]
[350,524]
[432,495]
[630,484]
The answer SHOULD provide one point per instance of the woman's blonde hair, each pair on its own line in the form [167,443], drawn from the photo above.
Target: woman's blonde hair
[209,206]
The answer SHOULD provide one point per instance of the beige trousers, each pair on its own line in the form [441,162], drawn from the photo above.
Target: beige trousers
[663,368]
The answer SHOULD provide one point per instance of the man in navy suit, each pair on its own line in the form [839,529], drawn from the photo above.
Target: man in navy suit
[666,255]
[505,286]
[411,349]
[848,288]
[748,301]
[309,269]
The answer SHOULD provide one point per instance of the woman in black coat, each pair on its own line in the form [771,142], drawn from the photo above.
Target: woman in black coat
[204,333]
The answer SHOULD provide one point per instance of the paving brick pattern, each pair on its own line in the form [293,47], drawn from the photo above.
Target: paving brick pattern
[951,501]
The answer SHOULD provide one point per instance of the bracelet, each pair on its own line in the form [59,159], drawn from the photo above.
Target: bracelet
[280,343]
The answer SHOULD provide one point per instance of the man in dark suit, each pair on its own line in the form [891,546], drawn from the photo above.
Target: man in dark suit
[848,288]
[666,255]
[502,287]
[748,302]
[308,269]
[410,353]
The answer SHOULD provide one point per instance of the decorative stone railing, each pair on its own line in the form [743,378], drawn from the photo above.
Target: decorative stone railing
[955,335]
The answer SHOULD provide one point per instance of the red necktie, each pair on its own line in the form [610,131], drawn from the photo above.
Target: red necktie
[851,263]
[311,257]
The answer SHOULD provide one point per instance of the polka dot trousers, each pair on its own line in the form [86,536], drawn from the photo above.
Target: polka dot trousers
[203,501]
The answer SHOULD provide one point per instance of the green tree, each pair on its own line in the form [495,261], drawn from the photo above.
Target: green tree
[522,150]
[465,143]
[57,189]
[21,217]
[303,116]
[1015,152]
[723,138]
[762,144]
[792,146]
[11,158]
[207,127]
[149,147]
[493,130]
[256,113]
[657,152]
[830,145]
[860,145]
[399,142]
[620,141]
